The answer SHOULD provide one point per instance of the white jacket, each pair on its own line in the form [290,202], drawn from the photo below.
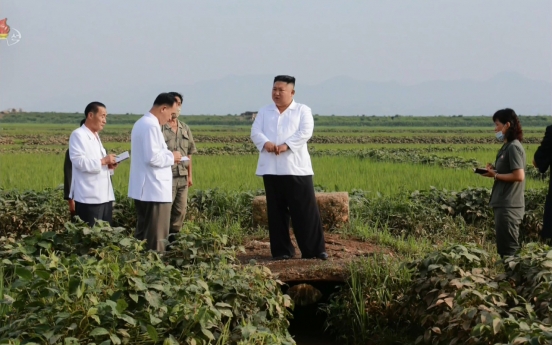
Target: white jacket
[293,127]
[91,181]
[150,162]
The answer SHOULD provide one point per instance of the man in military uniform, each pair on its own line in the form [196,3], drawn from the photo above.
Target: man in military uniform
[178,137]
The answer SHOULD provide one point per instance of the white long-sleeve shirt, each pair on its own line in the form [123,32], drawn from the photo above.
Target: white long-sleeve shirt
[150,162]
[91,181]
[293,127]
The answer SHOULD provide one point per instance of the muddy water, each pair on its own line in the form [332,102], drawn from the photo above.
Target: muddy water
[313,339]
[308,322]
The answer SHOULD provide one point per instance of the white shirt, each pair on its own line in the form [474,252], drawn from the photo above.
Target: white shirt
[150,162]
[293,127]
[91,181]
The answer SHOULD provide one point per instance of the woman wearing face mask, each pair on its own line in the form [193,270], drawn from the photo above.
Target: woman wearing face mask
[507,196]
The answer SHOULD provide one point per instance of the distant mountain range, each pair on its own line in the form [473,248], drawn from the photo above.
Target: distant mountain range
[338,95]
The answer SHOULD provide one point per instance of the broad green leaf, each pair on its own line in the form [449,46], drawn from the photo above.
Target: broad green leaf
[203,284]
[48,235]
[152,298]
[129,319]
[134,297]
[123,332]
[547,263]
[23,273]
[54,338]
[98,331]
[70,341]
[152,333]
[43,274]
[115,339]
[45,244]
[92,311]
[170,341]
[226,312]
[157,287]
[90,281]
[523,326]
[121,305]
[154,320]
[7,299]
[139,284]
[496,325]
[223,305]
[208,333]
[520,340]
[248,330]
[113,306]
[125,242]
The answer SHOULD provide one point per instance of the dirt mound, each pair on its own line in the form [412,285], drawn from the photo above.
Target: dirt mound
[340,250]
[334,210]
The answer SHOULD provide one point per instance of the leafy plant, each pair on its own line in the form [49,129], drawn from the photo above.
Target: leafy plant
[97,285]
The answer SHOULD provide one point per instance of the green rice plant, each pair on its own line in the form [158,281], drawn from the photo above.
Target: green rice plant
[366,307]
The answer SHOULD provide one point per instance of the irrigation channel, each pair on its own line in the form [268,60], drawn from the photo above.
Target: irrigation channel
[307,325]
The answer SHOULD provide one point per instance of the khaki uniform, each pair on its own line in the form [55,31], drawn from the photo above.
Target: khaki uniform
[183,142]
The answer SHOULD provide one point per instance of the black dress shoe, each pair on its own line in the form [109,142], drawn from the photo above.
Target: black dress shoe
[322,256]
[283,257]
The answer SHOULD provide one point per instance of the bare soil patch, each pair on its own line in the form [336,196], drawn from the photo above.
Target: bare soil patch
[341,251]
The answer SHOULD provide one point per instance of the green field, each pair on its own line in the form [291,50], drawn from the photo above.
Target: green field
[34,171]
[32,153]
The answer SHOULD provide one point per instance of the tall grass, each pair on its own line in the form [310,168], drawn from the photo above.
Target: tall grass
[39,171]
[365,306]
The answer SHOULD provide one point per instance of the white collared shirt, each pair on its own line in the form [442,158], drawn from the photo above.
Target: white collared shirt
[91,181]
[293,127]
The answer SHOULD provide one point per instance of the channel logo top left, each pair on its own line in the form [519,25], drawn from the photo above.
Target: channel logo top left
[11,35]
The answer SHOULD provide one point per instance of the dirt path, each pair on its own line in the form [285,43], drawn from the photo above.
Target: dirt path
[341,251]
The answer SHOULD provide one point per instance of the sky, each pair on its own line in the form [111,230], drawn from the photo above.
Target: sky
[91,49]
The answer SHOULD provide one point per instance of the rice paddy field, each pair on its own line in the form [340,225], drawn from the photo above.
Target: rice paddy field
[32,155]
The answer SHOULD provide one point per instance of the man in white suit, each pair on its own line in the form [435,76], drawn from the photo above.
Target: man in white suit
[281,131]
[91,187]
[150,182]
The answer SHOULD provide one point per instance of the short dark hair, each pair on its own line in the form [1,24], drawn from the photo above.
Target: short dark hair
[93,107]
[285,78]
[82,122]
[176,94]
[508,115]
[165,98]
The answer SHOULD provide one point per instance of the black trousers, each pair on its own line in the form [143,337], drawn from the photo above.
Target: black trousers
[546,232]
[153,223]
[293,196]
[90,212]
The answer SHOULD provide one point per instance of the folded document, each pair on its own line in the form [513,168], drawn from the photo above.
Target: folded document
[122,157]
